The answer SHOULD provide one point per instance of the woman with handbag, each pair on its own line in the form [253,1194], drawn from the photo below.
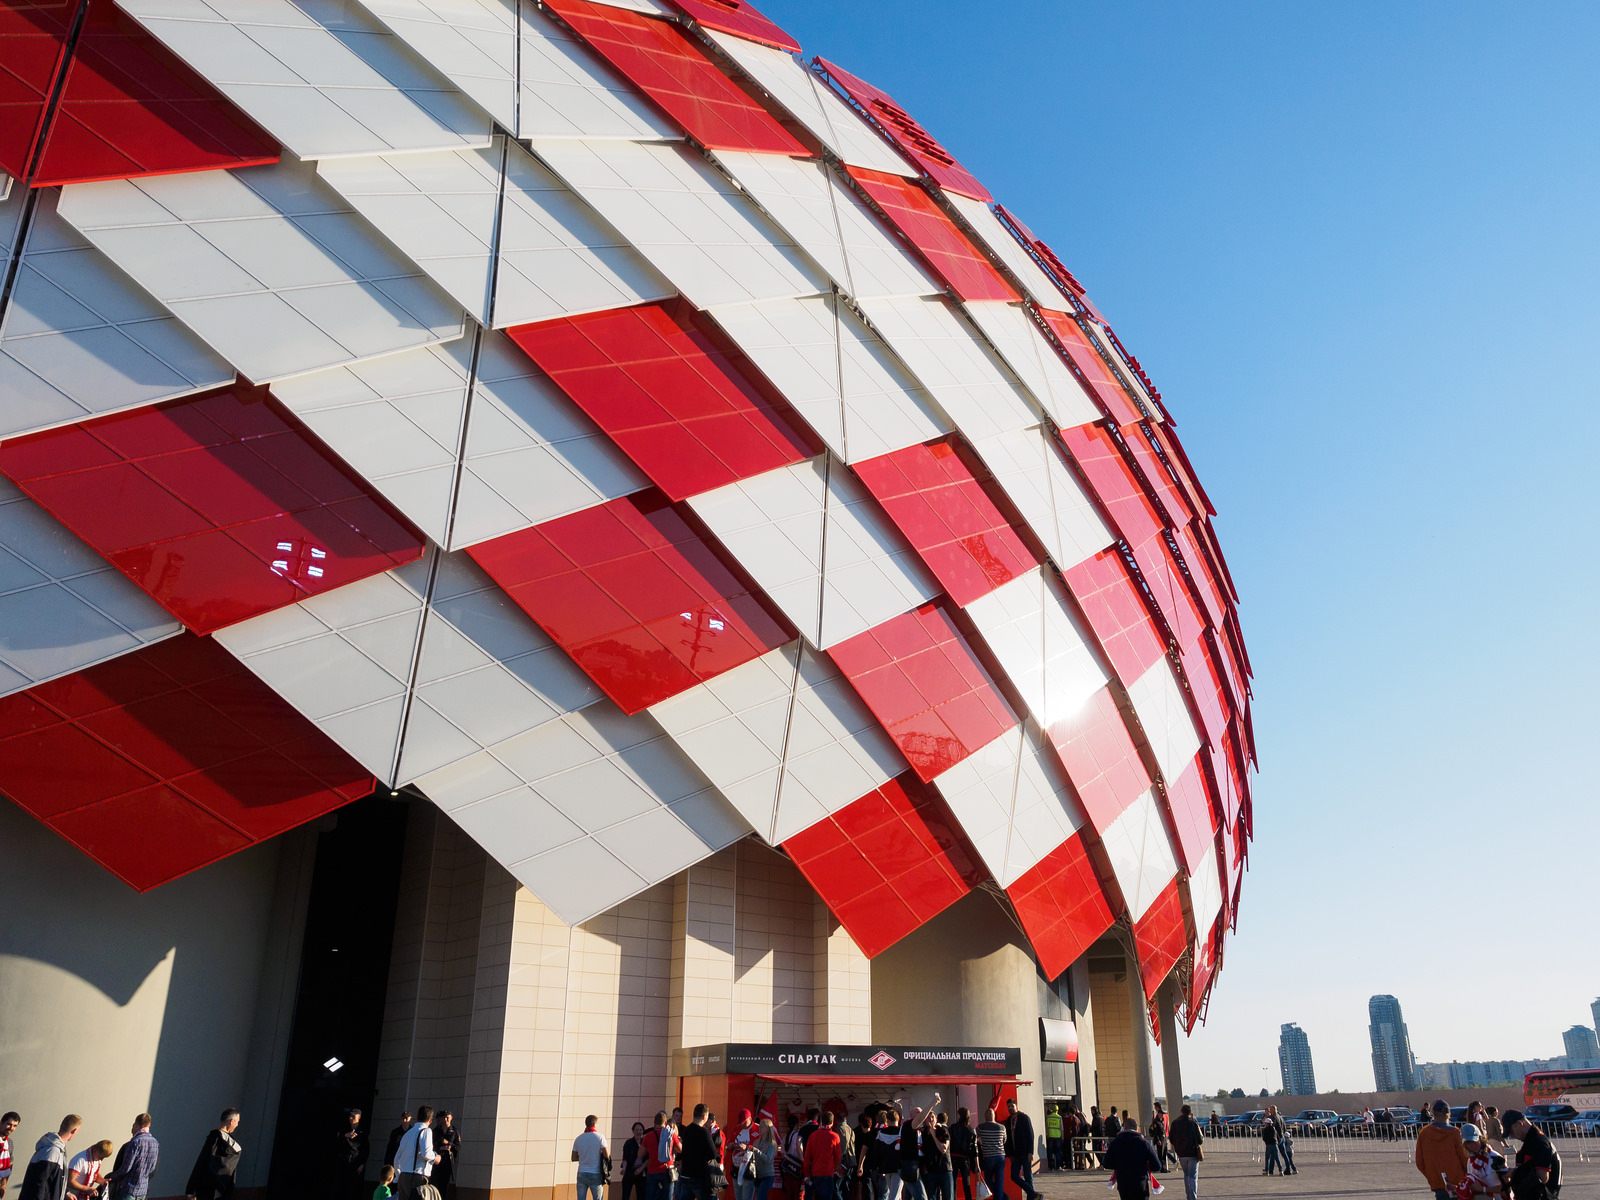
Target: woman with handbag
[212,1177]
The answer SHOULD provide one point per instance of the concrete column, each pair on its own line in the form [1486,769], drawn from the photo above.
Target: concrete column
[1171,1075]
[1083,1019]
[1139,1019]
[842,981]
[1121,1038]
[704,944]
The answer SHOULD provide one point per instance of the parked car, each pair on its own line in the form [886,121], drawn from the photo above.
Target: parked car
[1552,1118]
[1407,1118]
[1245,1122]
[1458,1114]
[1350,1125]
[1587,1123]
[1312,1120]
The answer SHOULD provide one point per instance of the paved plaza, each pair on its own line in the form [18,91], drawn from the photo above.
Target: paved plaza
[1233,1169]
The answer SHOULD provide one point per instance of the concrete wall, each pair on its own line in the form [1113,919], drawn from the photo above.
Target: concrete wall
[176,1002]
[1354,1102]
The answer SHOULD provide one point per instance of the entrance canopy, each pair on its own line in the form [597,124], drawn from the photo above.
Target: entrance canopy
[791,1063]
[893,1080]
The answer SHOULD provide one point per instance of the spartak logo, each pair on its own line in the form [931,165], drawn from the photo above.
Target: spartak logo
[883,1060]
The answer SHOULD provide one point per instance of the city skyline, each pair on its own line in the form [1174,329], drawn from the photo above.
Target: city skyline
[1295,1065]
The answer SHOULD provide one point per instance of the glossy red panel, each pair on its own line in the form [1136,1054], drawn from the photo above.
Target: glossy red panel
[1117,613]
[637,598]
[1202,575]
[1166,582]
[1092,368]
[1100,758]
[1061,906]
[658,58]
[934,497]
[1158,475]
[685,409]
[1064,279]
[130,107]
[1211,695]
[1172,450]
[926,687]
[947,251]
[1097,454]
[1137,368]
[915,142]
[1190,802]
[888,863]
[33,40]
[1160,938]
[738,18]
[167,759]
[1207,958]
[221,507]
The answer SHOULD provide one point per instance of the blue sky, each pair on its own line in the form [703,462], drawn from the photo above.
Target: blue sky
[1356,247]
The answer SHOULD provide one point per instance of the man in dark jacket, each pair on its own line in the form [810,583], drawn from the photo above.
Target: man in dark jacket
[1185,1138]
[46,1176]
[1019,1148]
[694,1164]
[964,1154]
[1097,1134]
[1537,1174]
[1131,1159]
[395,1134]
[1271,1135]
[214,1168]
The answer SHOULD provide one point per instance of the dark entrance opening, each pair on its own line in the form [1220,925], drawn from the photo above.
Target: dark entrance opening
[338,1014]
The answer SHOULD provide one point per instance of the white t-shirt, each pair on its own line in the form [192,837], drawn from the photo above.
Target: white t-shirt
[414,1155]
[589,1146]
[83,1170]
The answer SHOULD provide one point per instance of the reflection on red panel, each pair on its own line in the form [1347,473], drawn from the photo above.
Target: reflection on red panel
[1159,938]
[1192,813]
[1205,681]
[1171,591]
[738,18]
[131,107]
[635,596]
[932,495]
[167,759]
[33,39]
[221,506]
[1206,960]
[658,58]
[1096,452]
[1198,561]
[1100,758]
[1116,611]
[947,250]
[926,687]
[1061,906]
[888,863]
[682,408]
[1172,450]
[1046,257]
[914,141]
[1156,473]
[1084,355]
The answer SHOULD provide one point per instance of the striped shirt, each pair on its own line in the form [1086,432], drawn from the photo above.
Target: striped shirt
[991,1139]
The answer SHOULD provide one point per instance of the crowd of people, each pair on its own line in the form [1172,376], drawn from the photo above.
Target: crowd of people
[1462,1162]
[884,1155]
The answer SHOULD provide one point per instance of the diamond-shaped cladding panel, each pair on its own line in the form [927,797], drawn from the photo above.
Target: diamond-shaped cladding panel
[221,507]
[167,759]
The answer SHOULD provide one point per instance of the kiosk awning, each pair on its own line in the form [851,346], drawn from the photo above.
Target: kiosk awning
[784,1063]
[896,1080]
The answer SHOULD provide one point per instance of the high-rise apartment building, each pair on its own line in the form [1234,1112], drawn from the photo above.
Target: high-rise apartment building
[1394,1069]
[1294,1061]
[1594,1011]
[1583,1049]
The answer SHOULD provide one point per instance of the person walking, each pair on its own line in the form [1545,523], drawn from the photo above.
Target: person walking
[661,1149]
[136,1162]
[1537,1173]
[1158,1133]
[938,1180]
[1271,1134]
[633,1164]
[1132,1160]
[590,1152]
[1185,1138]
[86,1171]
[992,1154]
[1494,1131]
[1019,1148]
[1441,1156]
[1113,1125]
[447,1144]
[963,1155]
[1285,1143]
[46,1175]
[1097,1135]
[821,1159]
[766,1159]
[694,1161]
[218,1160]
[1055,1132]
[414,1157]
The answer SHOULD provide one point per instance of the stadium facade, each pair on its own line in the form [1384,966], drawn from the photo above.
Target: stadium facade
[557,557]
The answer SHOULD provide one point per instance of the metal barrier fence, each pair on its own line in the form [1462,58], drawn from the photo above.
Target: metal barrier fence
[1358,1142]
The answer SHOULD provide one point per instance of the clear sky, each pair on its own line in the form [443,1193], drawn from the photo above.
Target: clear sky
[1356,247]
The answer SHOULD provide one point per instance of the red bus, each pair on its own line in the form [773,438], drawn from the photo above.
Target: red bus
[1580,1089]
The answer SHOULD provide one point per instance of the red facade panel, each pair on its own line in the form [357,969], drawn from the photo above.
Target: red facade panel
[1165,580]
[1160,938]
[1083,354]
[1202,574]
[221,507]
[1097,454]
[635,596]
[1100,758]
[1205,682]
[33,42]
[167,759]
[948,251]
[131,107]
[915,142]
[683,409]
[888,863]
[1117,613]
[933,496]
[738,18]
[926,687]
[658,58]
[1168,493]
[1061,906]
[1190,802]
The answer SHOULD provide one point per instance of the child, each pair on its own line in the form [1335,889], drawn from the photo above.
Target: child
[1484,1167]
[385,1188]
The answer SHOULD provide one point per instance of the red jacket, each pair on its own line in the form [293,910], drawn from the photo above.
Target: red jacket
[822,1155]
[652,1144]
